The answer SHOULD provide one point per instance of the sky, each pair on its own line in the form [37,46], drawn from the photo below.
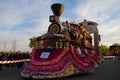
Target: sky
[22,19]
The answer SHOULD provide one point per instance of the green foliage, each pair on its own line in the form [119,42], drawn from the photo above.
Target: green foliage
[104,49]
[34,43]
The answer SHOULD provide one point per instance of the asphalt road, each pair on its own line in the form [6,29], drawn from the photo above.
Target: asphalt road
[108,70]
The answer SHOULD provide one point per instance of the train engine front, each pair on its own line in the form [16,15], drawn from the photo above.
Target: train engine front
[64,34]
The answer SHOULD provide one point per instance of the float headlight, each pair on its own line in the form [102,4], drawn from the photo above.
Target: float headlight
[54,28]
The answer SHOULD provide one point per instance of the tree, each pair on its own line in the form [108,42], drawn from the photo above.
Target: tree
[115,49]
[104,49]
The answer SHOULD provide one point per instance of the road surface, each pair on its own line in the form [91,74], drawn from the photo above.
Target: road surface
[108,70]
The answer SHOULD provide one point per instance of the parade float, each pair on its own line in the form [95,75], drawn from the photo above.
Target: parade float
[66,49]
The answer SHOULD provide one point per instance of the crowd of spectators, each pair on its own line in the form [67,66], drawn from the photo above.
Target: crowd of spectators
[14,55]
[7,56]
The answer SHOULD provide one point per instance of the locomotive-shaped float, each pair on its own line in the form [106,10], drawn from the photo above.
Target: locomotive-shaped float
[66,49]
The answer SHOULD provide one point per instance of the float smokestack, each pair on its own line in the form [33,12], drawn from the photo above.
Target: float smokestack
[57,9]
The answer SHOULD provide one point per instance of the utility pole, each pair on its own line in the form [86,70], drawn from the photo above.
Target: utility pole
[4,46]
[14,45]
